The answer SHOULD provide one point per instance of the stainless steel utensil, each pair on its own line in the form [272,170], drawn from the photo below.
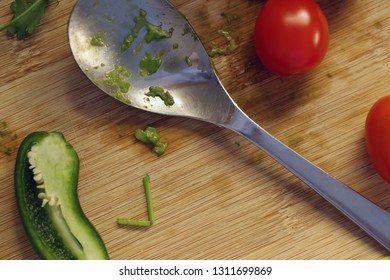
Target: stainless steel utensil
[195,87]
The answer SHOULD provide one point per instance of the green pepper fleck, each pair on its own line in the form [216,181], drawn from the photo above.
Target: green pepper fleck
[188,61]
[46,179]
[117,76]
[98,40]
[156,91]
[149,205]
[153,32]
[151,137]
[227,50]
[149,64]
[132,222]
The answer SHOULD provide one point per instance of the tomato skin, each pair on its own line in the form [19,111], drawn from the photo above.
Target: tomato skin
[291,36]
[377,136]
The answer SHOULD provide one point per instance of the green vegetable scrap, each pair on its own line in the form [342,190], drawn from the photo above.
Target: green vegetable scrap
[149,205]
[132,222]
[227,50]
[156,91]
[150,136]
[46,179]
[149,64]
[188,61]
[98,40]
[26,16]
[116,78]
[148,195]
[153,32]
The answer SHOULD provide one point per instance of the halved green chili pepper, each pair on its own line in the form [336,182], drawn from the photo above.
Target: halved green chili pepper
[46,179]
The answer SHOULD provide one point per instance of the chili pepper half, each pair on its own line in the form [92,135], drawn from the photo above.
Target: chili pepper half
[46,179]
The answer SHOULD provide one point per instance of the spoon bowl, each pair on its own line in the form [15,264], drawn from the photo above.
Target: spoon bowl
[185,71]
[97,32]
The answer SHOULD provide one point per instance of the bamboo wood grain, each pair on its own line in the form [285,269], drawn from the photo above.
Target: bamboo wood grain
[213,199]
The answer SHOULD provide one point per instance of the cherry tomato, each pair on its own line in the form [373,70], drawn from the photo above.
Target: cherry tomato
[291,36]
[377,136]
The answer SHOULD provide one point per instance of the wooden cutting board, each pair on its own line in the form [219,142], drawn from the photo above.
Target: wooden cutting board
[216,196]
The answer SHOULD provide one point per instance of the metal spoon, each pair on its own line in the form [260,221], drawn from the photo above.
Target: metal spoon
[196,89]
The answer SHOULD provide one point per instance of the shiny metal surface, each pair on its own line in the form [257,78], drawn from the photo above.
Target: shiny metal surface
[197,91]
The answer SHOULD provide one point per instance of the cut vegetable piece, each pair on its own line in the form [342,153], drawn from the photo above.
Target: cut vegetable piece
[46,179]
[150,136]
[149,204]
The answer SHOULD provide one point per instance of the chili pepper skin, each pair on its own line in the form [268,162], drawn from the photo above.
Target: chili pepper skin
[46,179]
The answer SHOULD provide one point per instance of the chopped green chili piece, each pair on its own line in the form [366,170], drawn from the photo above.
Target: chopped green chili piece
[188,61]
[130,222]
[227,50]
[148,195]
[153,32]
[150,136]
[149,205]
[117,76]
[149,64]
[98,40]
[156,91]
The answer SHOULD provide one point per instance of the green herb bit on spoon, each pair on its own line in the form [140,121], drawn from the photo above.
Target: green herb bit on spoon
[153,32]
[149,64]
[156,91]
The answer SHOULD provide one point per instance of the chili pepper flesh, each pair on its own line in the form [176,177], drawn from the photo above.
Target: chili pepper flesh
[46,179]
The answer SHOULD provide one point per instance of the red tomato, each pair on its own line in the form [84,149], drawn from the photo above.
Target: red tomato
[378,136]
[291,36]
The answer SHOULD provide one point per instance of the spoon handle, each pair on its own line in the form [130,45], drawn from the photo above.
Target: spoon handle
[372,219]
